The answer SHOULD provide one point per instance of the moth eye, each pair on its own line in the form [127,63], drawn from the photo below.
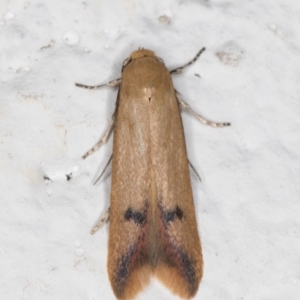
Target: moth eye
[126,61]
[160,60]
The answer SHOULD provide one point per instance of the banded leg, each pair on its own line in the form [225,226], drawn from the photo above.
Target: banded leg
[183,104]
[112,84]
[103,139]
[103,220]
[107,164]
[180,69]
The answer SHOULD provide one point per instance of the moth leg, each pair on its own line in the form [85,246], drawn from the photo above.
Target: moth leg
[107,164]
[103,139]
[103,220]
[183,104]
[180,69]
[195,171]
[112,84]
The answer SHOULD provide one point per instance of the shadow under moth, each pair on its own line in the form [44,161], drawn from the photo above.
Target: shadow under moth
[153,229]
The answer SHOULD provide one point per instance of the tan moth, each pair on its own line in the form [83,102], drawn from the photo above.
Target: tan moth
[153,229]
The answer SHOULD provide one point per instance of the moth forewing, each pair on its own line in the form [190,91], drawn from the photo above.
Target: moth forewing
[153,228]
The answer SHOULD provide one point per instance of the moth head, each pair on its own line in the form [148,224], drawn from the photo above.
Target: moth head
[141,52]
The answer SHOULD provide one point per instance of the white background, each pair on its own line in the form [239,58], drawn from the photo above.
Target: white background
[247,204]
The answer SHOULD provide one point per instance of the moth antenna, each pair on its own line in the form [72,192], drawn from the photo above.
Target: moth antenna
[180,69]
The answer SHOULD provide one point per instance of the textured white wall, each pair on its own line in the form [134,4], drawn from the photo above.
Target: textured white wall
[248,201]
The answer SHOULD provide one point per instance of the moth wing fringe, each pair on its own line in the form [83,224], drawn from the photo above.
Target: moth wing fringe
[172,279]
[139,279]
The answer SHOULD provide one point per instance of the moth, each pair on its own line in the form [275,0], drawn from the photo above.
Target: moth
[153,229]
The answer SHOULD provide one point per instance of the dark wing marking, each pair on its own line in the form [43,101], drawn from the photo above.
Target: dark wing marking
[170,215]
[174,256]
[129,265]
[138,218]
